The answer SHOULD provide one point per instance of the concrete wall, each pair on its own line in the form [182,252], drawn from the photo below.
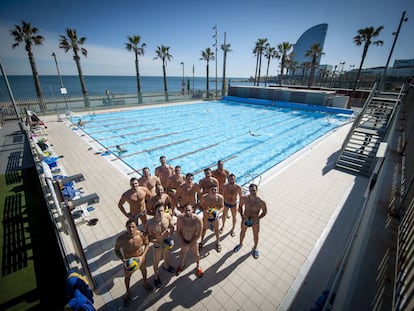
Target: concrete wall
[320,98]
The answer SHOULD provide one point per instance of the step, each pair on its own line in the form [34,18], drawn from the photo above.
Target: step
[364,169]
[360,154]
[367,131]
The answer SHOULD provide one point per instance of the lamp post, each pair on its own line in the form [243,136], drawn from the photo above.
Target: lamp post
[342,64]
[6,81]
[384,73]
[193,80]
[332,77]
[182,82]
[63,90]
[215,45]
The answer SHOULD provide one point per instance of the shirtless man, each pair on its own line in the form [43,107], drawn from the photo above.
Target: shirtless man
[232,193]
[149,181]
[208,181]
[136,198]
[221,175]
[132,244]
[174,181]
[159,198]
[189,227]
[164,171]
[160,230]
[188,193]
[254,209]
[212,204]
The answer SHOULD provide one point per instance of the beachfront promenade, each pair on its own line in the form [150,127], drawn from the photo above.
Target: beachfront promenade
[305,196]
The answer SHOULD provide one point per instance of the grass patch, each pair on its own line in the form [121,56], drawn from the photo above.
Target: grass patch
[32,269]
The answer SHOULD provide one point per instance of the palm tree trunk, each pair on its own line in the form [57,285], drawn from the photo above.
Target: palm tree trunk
[364,54]
[257,67]
[165,82]
[260,66]
[138,80]
[207,84]
[267,70]
[82,82]
[37,82]
[281,72]
[312,73]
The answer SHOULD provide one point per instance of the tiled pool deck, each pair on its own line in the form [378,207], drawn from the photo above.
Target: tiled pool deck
[304,196]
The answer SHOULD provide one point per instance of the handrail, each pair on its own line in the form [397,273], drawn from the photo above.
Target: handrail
[398,99]
[359,116]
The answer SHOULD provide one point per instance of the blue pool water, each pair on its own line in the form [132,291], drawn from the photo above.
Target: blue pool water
[195,136]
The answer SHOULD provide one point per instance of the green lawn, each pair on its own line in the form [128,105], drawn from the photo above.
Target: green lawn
[32,270]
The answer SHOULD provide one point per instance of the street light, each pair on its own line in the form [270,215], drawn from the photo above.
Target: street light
[63,90]
[384,73]
[182,82]
[332,77]
[215,45]
[9,90]
[342,65]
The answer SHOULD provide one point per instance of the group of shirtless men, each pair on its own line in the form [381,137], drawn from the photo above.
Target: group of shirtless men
[169,194]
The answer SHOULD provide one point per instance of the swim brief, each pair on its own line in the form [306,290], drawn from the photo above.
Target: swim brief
[230,205]
[136,216]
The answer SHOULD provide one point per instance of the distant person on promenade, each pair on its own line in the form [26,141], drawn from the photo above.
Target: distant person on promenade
[160,230]
[149,181]
[189,227]
[208,181]
[136,197]
[160,197]
[254,209]
[164,171]
[188,193]
[221,174]
[232,193]
[132,244]
[212,205]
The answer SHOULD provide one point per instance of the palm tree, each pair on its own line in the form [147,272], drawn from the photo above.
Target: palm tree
[28,35]
[72,42]
[305,67]
[283,49]
[365,36]
[226,48]
[292,66]
[255,53]
[269,53]
[207,55]
[163,53]
[133,45]
[261,46]
[315,52]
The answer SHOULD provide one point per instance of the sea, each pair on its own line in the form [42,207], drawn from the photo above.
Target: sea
[23,86]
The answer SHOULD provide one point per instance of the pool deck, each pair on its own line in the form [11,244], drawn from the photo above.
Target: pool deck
[305,197]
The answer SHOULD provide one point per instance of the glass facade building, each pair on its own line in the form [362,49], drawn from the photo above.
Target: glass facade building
[315,34]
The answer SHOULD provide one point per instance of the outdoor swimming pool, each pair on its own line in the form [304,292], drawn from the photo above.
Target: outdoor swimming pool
[249,138]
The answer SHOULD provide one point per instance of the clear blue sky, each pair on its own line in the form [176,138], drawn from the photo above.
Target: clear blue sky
[186,27]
